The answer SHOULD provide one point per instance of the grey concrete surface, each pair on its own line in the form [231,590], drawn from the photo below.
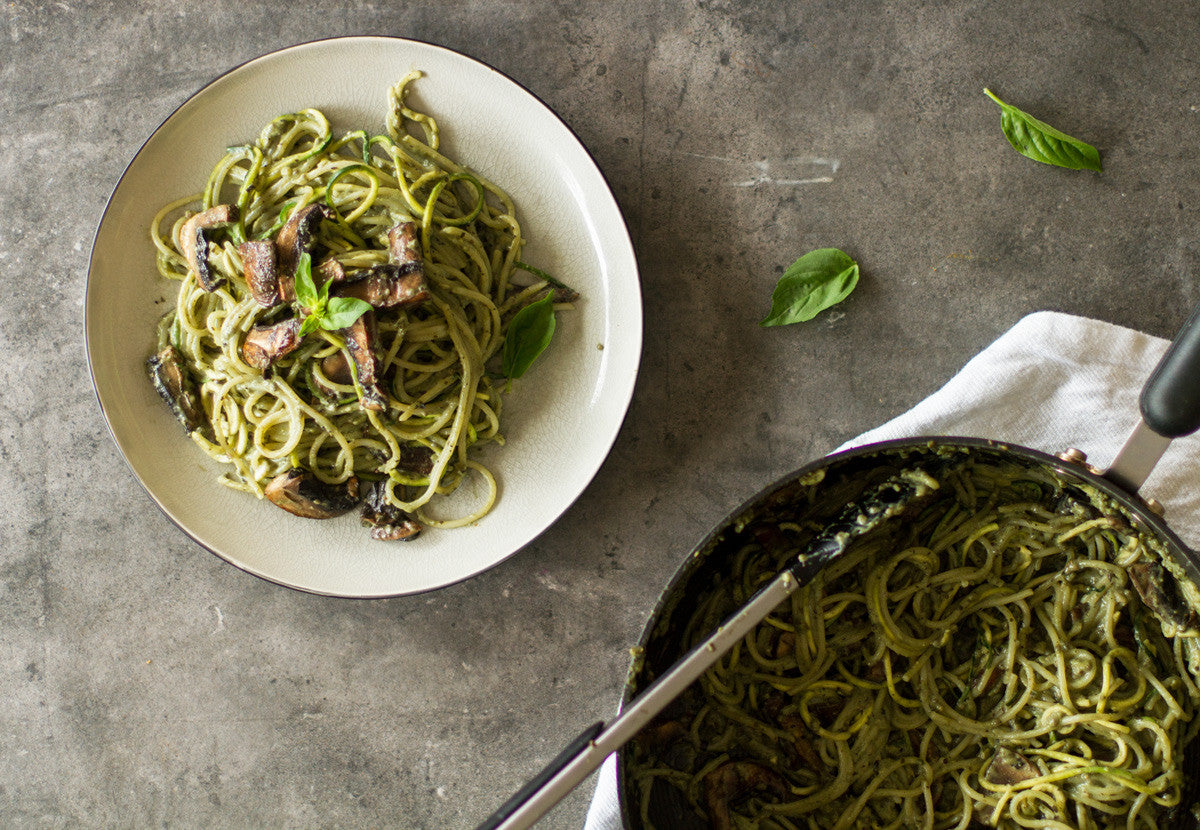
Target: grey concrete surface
[143,682]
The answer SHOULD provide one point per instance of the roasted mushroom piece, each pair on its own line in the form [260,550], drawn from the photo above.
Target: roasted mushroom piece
[1158,589]
[386,286]
[734,780]
[388,523]
[296,238]
[260,270]
[267,343]
[330,270]
[415,459]
[404,251]
[193,239]
[301,493]
[360,342]
[404,246]
[175,386]
[399,283]
[1008,768]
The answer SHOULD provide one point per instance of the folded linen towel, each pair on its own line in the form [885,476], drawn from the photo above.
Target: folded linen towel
[1051,382]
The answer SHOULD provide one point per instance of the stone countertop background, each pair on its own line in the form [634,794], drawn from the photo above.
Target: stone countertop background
[145,682]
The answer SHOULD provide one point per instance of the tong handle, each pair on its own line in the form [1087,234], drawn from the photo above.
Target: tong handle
[1170,400]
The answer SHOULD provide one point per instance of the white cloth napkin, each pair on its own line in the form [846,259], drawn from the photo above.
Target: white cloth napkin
[1051,382]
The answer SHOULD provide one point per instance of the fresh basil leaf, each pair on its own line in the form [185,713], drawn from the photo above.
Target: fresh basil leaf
[311,323]
[306,291]
[528,336]
[1039,141]
[342,312]
[811,284]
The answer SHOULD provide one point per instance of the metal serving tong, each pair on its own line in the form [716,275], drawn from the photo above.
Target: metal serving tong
[583,755]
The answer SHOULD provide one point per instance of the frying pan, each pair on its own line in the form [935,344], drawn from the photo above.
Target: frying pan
[1170,408]
[850,485]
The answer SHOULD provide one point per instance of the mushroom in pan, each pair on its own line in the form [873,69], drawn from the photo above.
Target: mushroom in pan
[388,523]
[193,239]
[1008,768]
[295,238]
[1159,591]
[733,780]
[267,343]
[801,737]
[301,493]
[175,386]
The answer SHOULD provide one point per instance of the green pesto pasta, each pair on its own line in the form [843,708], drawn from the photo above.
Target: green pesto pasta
[420,395]
[1013,656]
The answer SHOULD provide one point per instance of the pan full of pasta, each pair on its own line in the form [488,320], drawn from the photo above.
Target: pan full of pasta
[1021,651]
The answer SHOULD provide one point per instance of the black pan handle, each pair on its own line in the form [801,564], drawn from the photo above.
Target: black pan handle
[1170,400]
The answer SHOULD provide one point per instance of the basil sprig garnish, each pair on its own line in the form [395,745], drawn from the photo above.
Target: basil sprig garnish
[816,281]
[1039,141]
[528,336]
[329,313]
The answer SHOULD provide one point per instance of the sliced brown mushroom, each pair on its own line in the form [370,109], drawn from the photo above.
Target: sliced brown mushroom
[337,368]
[266,344]
[660,734]
[261,272]
[360,342]
[193,238]
[301,493]
[1009,767]
[404,251]
[733,780]
[386,286]
[1158,589]
[415,459]
[404,245]
[388,523]
[330,270]
[175,386]
[400,283]
[801,737]
[297,237]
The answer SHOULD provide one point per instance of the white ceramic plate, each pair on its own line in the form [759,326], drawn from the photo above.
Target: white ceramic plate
[560,419]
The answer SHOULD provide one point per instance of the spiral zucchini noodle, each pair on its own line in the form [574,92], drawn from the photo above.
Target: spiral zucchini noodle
[1016,655]
[383,411]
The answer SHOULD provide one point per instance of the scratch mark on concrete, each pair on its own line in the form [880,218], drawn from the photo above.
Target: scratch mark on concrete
[549,582]
[785,172]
